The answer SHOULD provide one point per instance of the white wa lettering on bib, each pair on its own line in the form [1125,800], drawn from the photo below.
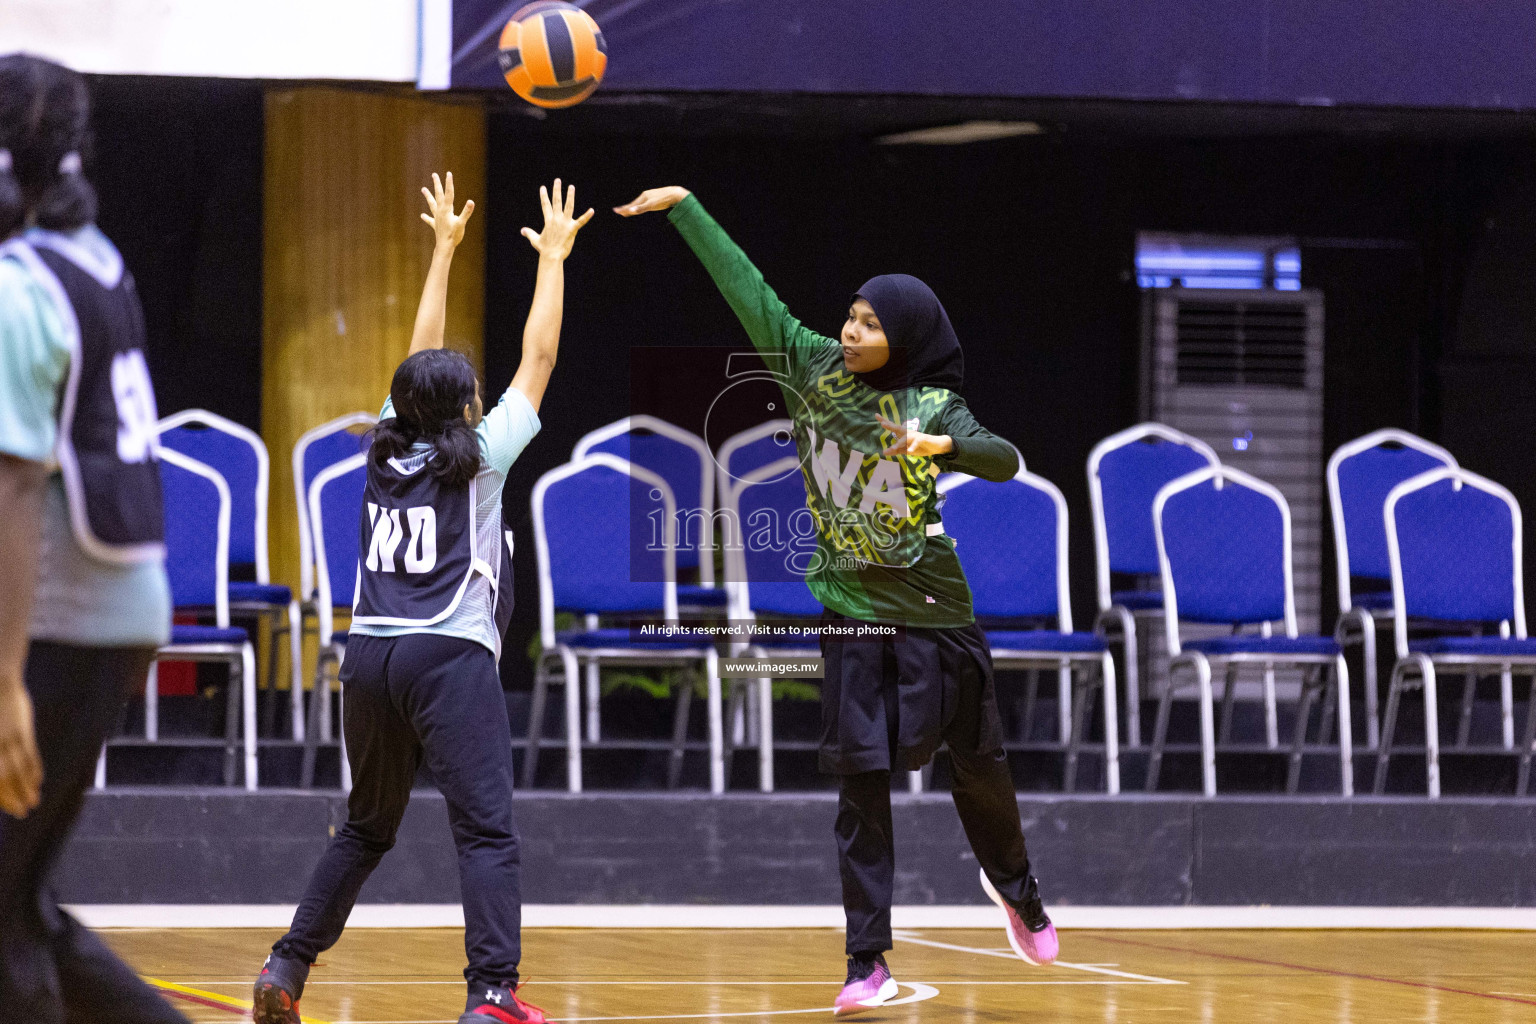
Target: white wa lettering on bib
[836,481]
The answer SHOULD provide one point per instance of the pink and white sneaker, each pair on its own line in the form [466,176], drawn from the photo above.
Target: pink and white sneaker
[1031,933]
[869,985]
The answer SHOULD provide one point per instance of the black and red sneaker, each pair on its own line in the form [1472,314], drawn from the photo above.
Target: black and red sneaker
[489,1003]
[275,998]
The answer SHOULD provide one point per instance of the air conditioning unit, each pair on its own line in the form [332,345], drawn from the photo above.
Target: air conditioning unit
[1242,369]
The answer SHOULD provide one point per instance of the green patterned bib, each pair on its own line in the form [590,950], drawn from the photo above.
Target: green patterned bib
[870,508]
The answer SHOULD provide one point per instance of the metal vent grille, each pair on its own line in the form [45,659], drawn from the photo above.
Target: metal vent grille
[1241,343]
[1242,369]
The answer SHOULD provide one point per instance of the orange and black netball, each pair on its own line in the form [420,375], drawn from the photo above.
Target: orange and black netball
[552,54]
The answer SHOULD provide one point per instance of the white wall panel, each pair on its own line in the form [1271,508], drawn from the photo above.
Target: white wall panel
[369,40]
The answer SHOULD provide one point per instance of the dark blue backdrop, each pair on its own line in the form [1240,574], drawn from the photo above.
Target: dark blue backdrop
[1415,53]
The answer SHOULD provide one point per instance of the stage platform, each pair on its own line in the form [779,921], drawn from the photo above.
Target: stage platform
[211,846]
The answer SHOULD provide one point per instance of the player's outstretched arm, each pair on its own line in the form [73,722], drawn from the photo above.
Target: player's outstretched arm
[653,200]
[767,320]
[541,335]
[448,227]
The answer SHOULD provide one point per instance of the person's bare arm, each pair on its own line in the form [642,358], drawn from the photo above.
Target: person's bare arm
[449,229]
[541,335]
[21,510]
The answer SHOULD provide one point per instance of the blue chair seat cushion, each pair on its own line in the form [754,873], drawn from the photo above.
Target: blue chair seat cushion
[693,594]
[1473,645]
[621,637]
[1373,600]
[1280,646]
[207,635]
[260,593]
[1138,600]
[1047,640]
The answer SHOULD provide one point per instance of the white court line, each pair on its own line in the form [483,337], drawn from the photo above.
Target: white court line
[534,980]
[537,982]
[412,915]
[1144,979]
[919,994]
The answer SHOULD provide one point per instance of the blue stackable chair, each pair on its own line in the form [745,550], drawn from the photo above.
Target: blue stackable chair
[240,457]
[1224,546]
[1454,541]
[601,552]
[1012,540]
[1360,475]
[197,528]
[1125,472]
[767,554]
[684,461]
[751,450]
[315,451]
[335,504]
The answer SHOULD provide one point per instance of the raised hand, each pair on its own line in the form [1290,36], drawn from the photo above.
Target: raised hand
[653,199]
[915,443]
[445,224]
[560,223]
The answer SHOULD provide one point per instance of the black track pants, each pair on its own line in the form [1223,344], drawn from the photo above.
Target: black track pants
[983,787]
[406,698]
[866,848]
[53,971]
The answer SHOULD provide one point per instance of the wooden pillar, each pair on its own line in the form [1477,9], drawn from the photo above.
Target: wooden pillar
[345,256]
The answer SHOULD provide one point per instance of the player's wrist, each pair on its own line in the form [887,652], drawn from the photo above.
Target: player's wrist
[11,680]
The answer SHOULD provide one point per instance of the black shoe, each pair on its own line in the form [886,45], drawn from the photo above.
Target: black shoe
[869,985]
[275,999]
[488,1003]
[1032,911]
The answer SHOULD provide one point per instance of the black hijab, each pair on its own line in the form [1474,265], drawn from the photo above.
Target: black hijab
[924,349]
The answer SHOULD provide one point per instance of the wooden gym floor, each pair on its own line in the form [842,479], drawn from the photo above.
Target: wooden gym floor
[411,976]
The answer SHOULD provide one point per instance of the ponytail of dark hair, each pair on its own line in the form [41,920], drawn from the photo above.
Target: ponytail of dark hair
[45,130]
[13,205]
[458,452]
[429,391]
[69,201]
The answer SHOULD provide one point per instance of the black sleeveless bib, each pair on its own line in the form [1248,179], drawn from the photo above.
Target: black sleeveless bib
[107,415]
[416,546]
[504,598]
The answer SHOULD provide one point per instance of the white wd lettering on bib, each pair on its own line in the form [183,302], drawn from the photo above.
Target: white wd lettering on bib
[420,550]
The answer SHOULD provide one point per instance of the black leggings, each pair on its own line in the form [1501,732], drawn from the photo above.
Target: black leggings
[866,846]
[983,786]
[404,698]
[53,971]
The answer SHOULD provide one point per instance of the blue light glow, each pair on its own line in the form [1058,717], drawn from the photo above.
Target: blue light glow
[1191,281]
[1172,261]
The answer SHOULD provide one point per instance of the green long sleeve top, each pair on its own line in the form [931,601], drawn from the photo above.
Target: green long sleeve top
[881,552]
